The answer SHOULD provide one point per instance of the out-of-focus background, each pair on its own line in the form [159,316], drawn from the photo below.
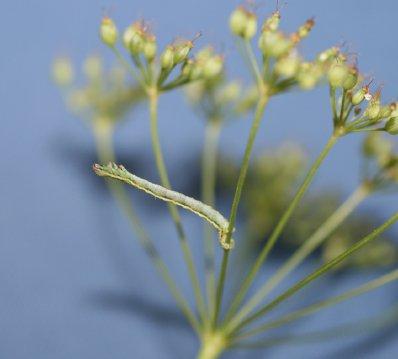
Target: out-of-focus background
[73,281]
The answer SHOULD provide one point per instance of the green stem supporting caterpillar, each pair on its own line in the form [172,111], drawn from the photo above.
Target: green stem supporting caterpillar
[214,217]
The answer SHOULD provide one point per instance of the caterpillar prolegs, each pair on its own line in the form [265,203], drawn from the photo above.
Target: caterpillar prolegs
[214,217]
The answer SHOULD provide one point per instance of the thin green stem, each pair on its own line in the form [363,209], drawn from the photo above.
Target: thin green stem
[313,242]
[253,63]
[164,178]
[380,321]
[313,308]
[320,271]
[105,152]
[128,67]
[209,172]
[235,203]
[280,227]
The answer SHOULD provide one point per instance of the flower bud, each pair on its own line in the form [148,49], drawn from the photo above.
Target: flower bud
[243,23]
[327,55]
[108,32]
[128,35]
[308,76]
[359,96]
[373,109]
[150,48]
[392,126]
[337,75]
[274,44]
[191,70]
[351,79]
[62,71]
[137,42]
[303,31]
[272,23]
[181,51]
[167,58]
[213,67]
[385,111]
[287,66]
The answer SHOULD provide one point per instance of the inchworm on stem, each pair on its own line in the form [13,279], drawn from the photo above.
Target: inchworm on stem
[203,210]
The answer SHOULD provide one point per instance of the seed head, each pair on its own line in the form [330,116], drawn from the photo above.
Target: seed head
[108,32]
[272,23]
[352,78]
[287,66]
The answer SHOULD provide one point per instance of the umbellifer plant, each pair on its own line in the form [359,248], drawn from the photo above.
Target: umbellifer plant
[223,325]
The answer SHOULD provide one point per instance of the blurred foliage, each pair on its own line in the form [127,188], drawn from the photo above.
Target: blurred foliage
[272,180]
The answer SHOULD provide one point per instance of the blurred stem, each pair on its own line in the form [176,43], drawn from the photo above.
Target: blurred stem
[103,135]
[280,227]
[319,272]
[323,232]
[263,100]
[313,308]
[164,178]
[389,317]
[209,172]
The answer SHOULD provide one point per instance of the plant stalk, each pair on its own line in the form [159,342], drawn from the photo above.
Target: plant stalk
[209,172]
[103,136]
[164,178]
[241,180]
[320,271]
[323,232]
[280,227]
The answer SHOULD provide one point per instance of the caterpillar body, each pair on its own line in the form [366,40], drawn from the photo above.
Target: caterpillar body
[214,217]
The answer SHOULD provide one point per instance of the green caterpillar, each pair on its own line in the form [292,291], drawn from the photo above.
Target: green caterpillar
[214,217]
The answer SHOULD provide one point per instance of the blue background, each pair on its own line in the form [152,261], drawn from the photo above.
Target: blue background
[74,283]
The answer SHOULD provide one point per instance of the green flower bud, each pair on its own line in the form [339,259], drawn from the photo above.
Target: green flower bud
[305,29]
[274,44]
[128,35]
[351,79]
[150,48]
[181,51]
[392,126]
[108,32]
[272,23]
[327,55]
[93,67]
[62,71]
[213,67]
[287,66]
[167,58]
[309,75]
[394,109]
[137,42]
[385,111]
[373,109]
[359,96]
[243,23]
[337,75]
[191,70]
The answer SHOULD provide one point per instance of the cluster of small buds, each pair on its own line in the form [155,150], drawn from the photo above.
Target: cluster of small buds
[357,109]
[137,39]
[141,43]
[104,98]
